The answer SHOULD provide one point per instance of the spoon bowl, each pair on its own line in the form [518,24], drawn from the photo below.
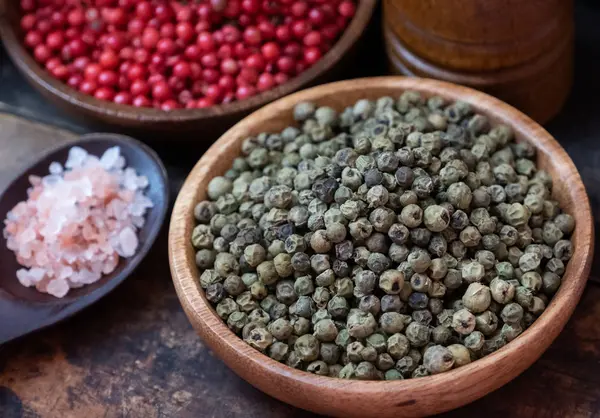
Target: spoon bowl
[25,309]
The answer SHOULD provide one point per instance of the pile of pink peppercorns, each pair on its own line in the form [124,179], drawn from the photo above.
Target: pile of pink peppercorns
[175,54]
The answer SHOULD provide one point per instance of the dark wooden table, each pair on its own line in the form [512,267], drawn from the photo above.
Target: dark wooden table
[134,353]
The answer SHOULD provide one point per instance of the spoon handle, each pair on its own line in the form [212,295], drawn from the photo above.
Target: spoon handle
[18,318]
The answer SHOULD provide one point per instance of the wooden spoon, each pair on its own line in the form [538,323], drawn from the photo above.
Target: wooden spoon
[24,310]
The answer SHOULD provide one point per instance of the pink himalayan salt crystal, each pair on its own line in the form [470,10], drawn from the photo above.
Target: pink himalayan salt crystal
[77,221]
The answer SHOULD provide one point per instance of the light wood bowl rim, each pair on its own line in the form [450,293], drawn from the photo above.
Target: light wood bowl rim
[501,366]
[42,81]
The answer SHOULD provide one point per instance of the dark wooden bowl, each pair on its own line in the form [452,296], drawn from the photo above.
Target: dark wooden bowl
[193,124]
[405,398]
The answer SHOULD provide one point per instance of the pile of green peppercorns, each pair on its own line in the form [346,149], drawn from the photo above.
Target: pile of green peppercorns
[397,239]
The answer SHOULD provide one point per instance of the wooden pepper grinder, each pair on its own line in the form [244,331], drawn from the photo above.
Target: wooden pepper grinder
[520,51]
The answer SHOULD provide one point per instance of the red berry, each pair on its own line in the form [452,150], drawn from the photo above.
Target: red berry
[267,30]
[109,59]
[252,35]
[299,9]
[283,33]
[185,96]
[44,26]
[141,56]
[192,52]
[141,101]
[248,76]
[293,50]
[265,82]
[251,6]
[150,38]
[74,81]
[88,86]
[115,41]
[225,51]
[92,71]
[28,22]
[169,105]
[312,55]
[229,66]
[316,16]
[330,32]
[33,39]
[210,75]
[61,72]
[206,41]
[286,65]
[227,83]
[213,92]
[167,30]
[300,28]
[312,38]
[28,5]
[203,103]
[182,70]
[52,63]
[165,46]
[161,91]
[231,34]
[240,50]
[255,61]
[210,60]
[270,51]
[347,9]
[139,88]
[163,12]
[243,92]
[136,72]
[55,40]
[122,98]
[104,93]
[76,17]
[281,78]
[108,78]
[80,63]
[184,31]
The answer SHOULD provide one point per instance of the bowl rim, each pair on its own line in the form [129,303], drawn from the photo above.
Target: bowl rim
[545,329]
[27,65]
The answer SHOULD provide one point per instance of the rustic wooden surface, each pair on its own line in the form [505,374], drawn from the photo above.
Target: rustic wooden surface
[134,353]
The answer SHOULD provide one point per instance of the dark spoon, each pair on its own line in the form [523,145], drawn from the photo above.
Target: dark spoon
[24,310]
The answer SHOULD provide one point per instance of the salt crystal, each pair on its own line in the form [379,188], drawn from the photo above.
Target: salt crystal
[77,221]
[110,158]
[130,179]
[51,180]
[120,162]
[76,157]
[37,274]
[142,182]
[129,242]
[58,288]
[55,168]
[24,277]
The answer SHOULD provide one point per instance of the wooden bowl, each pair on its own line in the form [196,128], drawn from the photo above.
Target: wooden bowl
[195,122]
[406,398]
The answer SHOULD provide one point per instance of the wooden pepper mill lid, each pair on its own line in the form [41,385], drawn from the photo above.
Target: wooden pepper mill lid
[518,50]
